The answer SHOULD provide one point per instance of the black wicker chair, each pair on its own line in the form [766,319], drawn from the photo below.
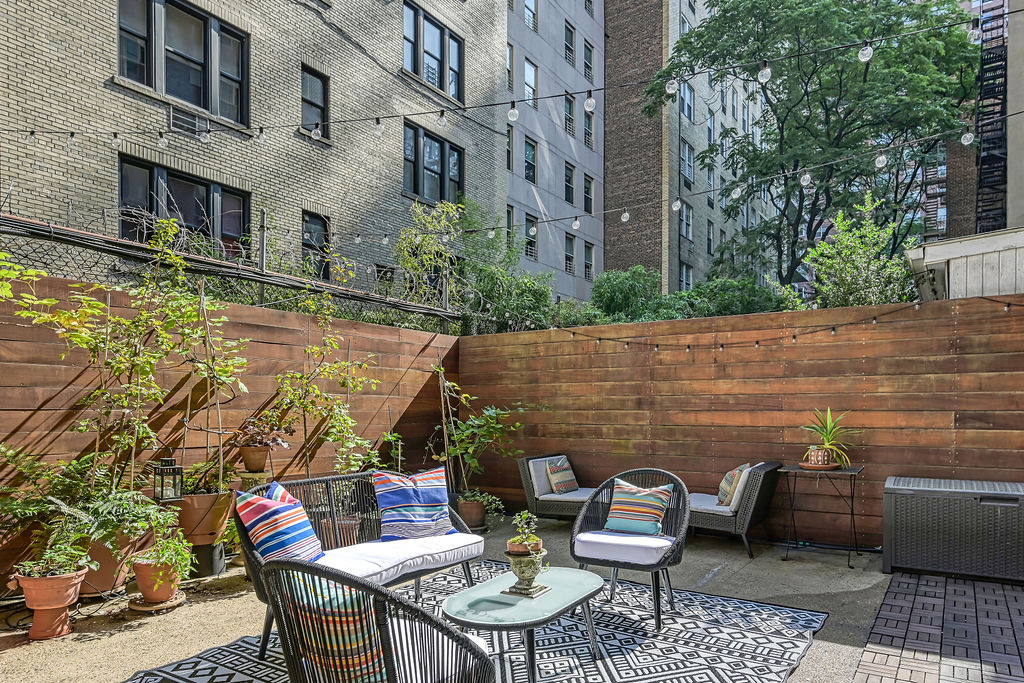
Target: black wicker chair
[336,627]
[539,498]
[343,511]
[755,503]
[658,553]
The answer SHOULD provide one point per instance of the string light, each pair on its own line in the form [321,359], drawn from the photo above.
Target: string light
[627,345]
[261,136]
[625,216]
[513,112]
[881,160]
[441,120]
[737,191]
[71,140]
[316,133]
[490,234]
[532,230]
[162,141]
[765,74]
[967,139]
[115,142]
[576,223]
[378,127]
[866,52]
[672,86]
[805,179]
[589,104]
[833,331]
[677,204]
[974,34]
[205,136]
[385,240]
[358,239]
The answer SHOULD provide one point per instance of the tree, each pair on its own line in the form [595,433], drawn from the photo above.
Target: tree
[625,295]
[823,105]
[850,268]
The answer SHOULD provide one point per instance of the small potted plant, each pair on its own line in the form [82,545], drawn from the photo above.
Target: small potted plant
[258,435]
[830,454]
[526,541]
[158,569]
[526,554]
[474,505]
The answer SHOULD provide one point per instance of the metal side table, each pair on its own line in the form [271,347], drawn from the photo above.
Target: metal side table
[793,473]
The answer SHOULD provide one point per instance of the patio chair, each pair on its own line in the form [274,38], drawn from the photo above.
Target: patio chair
[343,512]
[591,545]
[540,499]
[749,507]
[340,628]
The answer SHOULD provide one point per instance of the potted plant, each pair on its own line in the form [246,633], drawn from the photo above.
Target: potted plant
[526,554]
[52,578]
[474,505]
[258,435]
[526,540]
[158,570]
[206,502]
[831,453]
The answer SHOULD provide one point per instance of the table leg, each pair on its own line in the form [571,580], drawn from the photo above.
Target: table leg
[853,522]
[791,493]
[531,656]
[588,618]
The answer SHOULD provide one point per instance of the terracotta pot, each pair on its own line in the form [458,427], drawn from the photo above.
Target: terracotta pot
[49,597]
[254,457]
[523,548]
[472,513]
[819,457]
[146,576]
[203,517]
[15,549]
[112,573]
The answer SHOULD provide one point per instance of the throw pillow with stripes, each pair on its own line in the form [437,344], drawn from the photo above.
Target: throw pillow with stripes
[277,528]
[636,510]
[414,506]
[727,488]
[560,475]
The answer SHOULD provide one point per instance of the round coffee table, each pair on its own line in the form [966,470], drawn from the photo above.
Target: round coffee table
[484,607]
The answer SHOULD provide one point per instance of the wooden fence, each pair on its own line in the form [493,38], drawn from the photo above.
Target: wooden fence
[937,390]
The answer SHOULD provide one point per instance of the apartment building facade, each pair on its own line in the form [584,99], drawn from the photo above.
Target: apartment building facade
[222,109]
[554,147]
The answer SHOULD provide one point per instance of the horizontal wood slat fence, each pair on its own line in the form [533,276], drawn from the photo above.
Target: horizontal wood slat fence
[41,391]
[937,390]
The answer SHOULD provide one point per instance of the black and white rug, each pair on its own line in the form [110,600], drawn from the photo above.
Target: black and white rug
[708,639]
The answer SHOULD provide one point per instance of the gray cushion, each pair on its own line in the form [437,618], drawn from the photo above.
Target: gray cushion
[577,496]
[539,474]
[741,486]
[643,549]
[707,502]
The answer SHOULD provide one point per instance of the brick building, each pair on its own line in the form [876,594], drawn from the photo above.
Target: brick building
[178,69]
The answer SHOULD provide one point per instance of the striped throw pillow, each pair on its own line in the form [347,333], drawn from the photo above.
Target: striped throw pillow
[339,634]
[412,507]
[560,475]
[278,529]
[636,510]
[727,489]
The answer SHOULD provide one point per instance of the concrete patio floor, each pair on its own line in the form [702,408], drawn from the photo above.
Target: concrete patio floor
[113,643]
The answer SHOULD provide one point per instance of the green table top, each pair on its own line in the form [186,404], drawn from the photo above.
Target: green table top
[484,606]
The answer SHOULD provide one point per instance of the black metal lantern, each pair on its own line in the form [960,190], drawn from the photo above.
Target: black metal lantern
[167,481]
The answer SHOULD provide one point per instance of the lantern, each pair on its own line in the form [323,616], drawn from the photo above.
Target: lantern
[167,481]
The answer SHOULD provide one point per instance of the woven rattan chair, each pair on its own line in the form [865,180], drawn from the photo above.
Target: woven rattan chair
[336,627]
[754,504]
[640,552]
[540,500]
[343,512]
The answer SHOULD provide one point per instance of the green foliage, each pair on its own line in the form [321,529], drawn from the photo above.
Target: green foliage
[492,504]
[171,551]
[266,429]
[526,527]
[573,313]
[12,274]
[60,546]
[854,266]
[832,435]
[206,477]
[626,295]
[828,106]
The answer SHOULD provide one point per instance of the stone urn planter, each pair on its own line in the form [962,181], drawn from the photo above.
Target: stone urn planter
[254,457]
[49,598]
[157,582]
[526,569]
[204,516]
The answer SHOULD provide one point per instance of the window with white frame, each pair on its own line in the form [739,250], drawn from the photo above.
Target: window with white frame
[686,160]
[530,13]
[588,61]
[530,232]
[685,223]
[685,277]
[570,254]
[509,70]
[711,128]
[570,44]
[530,83]
[570,114]
[686,101]
[711,237]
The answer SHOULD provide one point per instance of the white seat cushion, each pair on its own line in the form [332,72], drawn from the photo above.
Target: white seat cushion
[577,496]
[384,562]
[707,502]
[618,547]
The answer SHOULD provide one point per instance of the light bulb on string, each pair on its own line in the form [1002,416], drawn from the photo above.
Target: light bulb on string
[736,192]
[162,142]
[71,140]
[419,238]
[444,238]
[261,136]
[967,138]
[490,234]
[533,230]
[881,160]
[32,136]
[866,52]
[316,133]
[369,270]
[513,112]
[385,241]
[576,223]
[974,34]
[672,86]
[625,216]
[806,179]
[115,142]
[441,120]
[677,204]
[378,127]
[590,104]
[358,239]
[765,74]
[205,136]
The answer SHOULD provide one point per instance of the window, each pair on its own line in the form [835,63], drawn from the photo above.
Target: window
[685,277]
[508,148]
[744,216]
[722,201]
[735,102]
[314,100]
[940,218]
[723,98]
[570,44]
[588,6]
[711,188]
[711,128]
[686,101]
[723,139]
[530,13]
[588,61]
[433,52]
[588,129]
[570,254]
[232,75]
[570,183]
[133,19]
[711,237]
[588,194]
[530,161]
[433,167]
[185,52]
[745,109]
[509,73]
[316,249]
[685,223]
[686,160]
[721,237]
[684,25]
[530,83]
[570,114]
[511,5]
[588,261]
[220,213]
[509,224]
[530,230]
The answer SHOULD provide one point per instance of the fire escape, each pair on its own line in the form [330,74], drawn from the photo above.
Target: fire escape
[991,118]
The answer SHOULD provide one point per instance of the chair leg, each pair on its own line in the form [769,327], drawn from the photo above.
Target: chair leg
[615,579]
[668,589]
[416,590]
[582,566]
[468,572]
[750,553]
[656,587]
[268,624]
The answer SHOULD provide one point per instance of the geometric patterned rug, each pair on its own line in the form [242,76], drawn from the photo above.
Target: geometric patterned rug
[707,639]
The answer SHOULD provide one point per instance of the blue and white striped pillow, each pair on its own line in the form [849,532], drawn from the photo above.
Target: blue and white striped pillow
[412,507]
[278,526]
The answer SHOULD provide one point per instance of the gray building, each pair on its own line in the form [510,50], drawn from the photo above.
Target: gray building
[225,108]
[554,155]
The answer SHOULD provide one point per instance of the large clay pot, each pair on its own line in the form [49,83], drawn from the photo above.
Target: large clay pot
[254,457]
[112,573]
[203,517]
[472,513]
[49,597]
[148,576]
